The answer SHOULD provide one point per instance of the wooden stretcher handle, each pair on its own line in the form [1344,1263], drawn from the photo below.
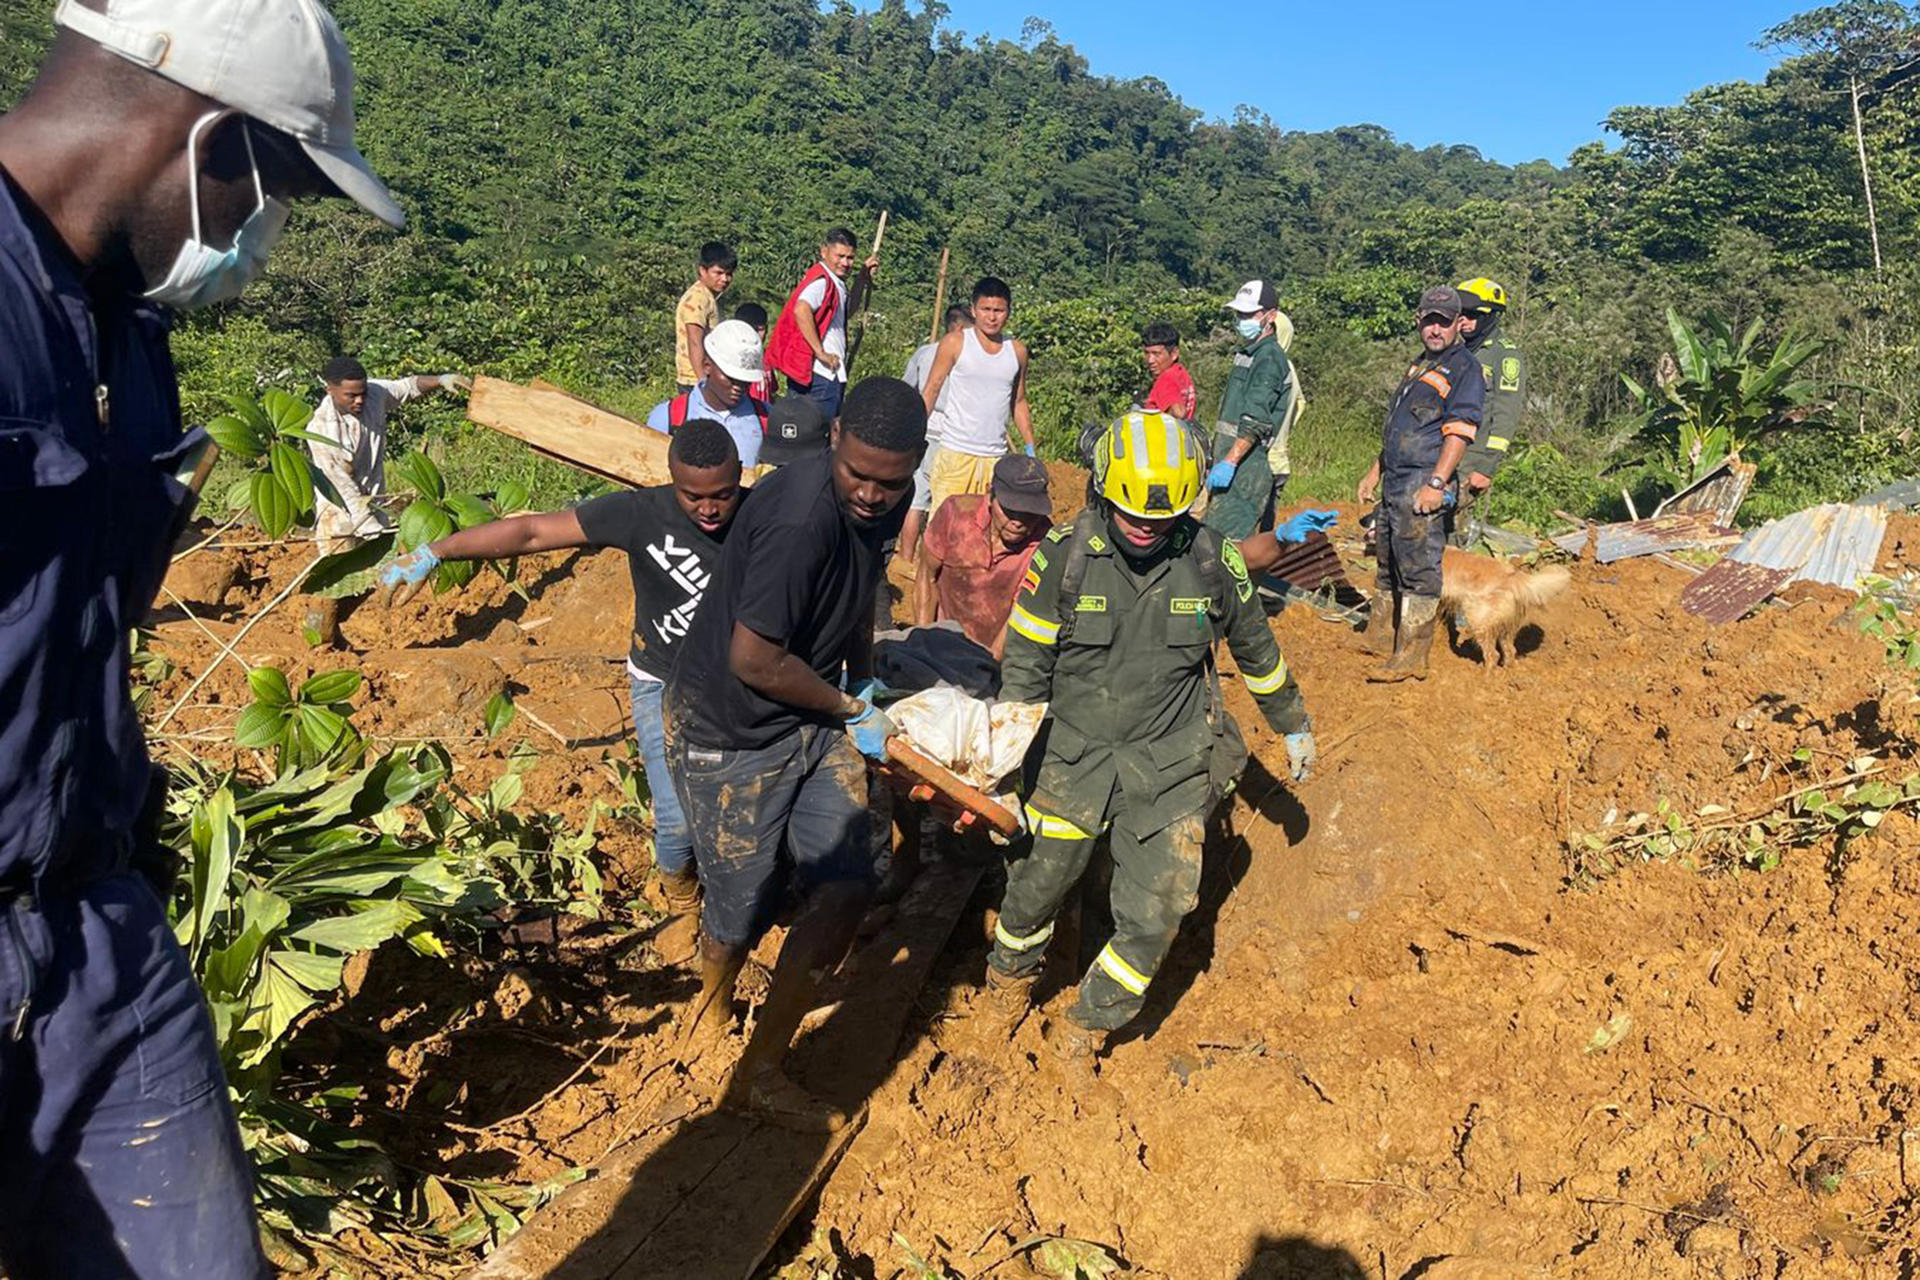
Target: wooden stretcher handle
[945,781]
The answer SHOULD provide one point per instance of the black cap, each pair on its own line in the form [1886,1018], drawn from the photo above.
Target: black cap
[795,429]
[1020,484]
[1441,300]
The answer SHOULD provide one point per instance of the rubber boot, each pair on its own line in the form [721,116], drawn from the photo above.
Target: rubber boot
[679,939]
[1378,637]
[1411,643]
[1009,999]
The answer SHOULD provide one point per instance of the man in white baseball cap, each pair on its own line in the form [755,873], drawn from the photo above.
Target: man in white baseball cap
[732,362]
[149,167]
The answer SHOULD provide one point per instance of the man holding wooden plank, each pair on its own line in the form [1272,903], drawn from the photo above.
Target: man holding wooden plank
[672,534]
[767,742]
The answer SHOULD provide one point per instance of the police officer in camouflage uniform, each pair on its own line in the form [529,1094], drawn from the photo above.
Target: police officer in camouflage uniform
[1504,367]
[1115,628]
[1433,419]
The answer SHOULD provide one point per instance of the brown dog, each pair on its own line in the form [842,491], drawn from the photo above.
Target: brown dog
[1496,597]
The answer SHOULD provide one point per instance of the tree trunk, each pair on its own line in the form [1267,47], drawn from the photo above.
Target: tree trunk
[1866,177]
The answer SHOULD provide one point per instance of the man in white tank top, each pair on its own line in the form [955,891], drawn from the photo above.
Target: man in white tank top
[983,374]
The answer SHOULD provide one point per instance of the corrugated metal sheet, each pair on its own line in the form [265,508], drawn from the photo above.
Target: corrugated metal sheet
[1833,544]
[1899,495]
[1730,590]
[1308,565]
[1718,494]
[1645,537]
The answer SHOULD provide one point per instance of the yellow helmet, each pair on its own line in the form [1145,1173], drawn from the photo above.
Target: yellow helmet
[1487,294]
[1148,466]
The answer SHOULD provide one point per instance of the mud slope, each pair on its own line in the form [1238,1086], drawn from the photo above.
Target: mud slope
[1402,1039]
[1392,1042]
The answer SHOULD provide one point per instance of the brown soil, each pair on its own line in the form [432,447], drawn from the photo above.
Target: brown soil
[1398,1038]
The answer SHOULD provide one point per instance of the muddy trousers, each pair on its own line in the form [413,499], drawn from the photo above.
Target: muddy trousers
[1156,882]
[120,1155]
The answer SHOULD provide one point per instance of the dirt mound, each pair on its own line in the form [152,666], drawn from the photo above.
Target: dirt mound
[1399,1037]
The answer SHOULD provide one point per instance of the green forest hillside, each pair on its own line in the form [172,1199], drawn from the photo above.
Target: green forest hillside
[561,160]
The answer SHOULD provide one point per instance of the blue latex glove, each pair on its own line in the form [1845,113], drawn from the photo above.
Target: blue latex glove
[1222,474]
[409,570]
[1297,527]
[1030,452]
[870,731]
[871,689]
[1302,752]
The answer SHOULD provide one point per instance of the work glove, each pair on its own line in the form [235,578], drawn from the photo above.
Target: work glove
[1221,476]
[456,381]
[1302,751]
[1298,527]
[1030,452]
[402,576]
[870,731]
[871,690]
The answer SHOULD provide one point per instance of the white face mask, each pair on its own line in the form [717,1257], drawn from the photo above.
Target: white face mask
[203,275]
[1248,327]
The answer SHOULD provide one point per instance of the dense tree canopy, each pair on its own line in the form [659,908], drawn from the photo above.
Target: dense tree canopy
[561,160]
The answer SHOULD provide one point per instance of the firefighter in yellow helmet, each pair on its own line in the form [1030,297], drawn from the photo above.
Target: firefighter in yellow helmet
[1115,628]
[1484,306]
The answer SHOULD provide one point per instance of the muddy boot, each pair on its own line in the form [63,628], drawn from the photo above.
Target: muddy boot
[1412,643]
[679,939]
[1072,1045]
[1009,999]
[1377,639]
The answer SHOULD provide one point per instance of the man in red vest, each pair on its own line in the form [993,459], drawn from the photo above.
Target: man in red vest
[809,342]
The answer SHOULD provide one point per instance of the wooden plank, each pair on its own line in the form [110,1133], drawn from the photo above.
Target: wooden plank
[713,1196]
[571,431]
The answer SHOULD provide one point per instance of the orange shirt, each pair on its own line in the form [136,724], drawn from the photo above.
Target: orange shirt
[979,575]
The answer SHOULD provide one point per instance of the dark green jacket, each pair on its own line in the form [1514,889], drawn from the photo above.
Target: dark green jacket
[1128,677]
[1505,368]
[1259,393]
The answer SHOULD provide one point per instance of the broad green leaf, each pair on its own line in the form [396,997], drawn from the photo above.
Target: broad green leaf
[330,687]
[279,1002]
[419,471]
[269,685]
[316,973]
[423,522]
[248,410]
[295,474]
[321,728]
[510,496]
[468,511]
[499,714]
[287,412]
[506,791]
[360,930]
[272,505]
[235,436]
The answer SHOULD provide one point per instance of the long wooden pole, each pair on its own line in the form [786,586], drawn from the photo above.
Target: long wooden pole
[858,298]
[939,298]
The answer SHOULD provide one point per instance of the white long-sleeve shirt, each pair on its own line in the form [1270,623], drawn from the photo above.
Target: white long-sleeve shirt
[358,467]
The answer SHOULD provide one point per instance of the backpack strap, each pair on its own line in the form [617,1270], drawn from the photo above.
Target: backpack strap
[760,412]
[677,411]
[1076,569]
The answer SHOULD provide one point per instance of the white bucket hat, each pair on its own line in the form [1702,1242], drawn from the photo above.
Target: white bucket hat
[734,347]
[282,62]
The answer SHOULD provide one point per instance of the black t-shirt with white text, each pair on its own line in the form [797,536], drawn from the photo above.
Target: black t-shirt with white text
[672,560]
[797,571]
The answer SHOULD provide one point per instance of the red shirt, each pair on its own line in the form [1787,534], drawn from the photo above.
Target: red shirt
[1173,393]
[979,575]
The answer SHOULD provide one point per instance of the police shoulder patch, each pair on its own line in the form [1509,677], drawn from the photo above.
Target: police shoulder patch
[1236,566]
[1058,532]
[1039,561]
[1510,374]
[1096,543]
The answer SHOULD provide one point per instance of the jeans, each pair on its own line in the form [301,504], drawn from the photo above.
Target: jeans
[797,808]
[825,392]
[121,1154]
[672,846]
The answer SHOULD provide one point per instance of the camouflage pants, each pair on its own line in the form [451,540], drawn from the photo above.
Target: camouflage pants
[1156,882]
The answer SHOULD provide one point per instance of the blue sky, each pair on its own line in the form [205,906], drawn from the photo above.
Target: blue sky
[1561,64]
